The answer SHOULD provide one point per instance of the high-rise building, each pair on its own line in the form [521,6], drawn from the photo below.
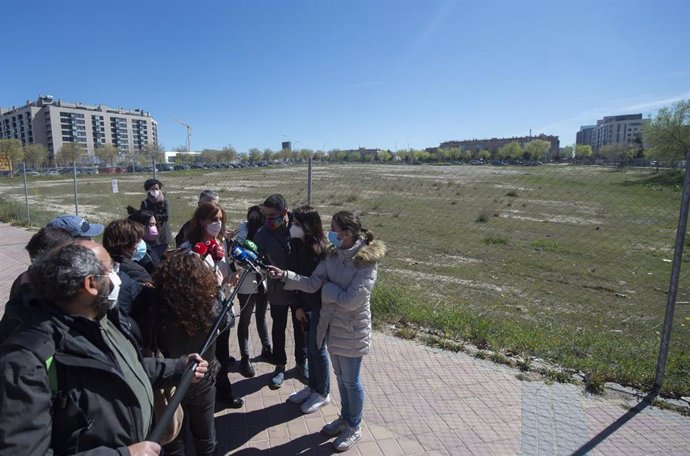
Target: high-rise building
[612,130]
[53,122]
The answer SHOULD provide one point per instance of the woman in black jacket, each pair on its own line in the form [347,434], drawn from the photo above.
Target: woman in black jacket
[157,203]
[308,248]
[123,239]
[186,307]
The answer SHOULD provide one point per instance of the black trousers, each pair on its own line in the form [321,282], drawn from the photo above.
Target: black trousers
[198,417]
[279,315]
[249,302]
[223,355]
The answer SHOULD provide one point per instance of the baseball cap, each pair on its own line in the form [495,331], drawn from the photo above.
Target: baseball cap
[76,226]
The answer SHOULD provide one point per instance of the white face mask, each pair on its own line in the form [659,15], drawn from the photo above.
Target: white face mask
[155,193]
[214,228]
[296,232]
[115,280]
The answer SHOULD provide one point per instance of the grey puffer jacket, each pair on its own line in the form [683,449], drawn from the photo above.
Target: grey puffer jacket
[347,278]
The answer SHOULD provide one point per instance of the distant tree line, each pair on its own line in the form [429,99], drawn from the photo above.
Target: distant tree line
[667,137]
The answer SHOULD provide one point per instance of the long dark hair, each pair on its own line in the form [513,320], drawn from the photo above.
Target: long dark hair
[142,216]
[255,220]
[310,220]
[204,212]
[349,221]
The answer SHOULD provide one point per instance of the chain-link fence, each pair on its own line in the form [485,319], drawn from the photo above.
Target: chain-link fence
[565,263]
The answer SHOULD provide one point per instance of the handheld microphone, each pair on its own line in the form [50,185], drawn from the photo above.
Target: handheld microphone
[217,252]
[214,249]
[200,249]
[245,256]
[249,245]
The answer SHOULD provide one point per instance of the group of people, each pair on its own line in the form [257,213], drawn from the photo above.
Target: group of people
[92,332]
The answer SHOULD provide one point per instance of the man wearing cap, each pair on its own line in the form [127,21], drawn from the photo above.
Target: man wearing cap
[72,380]
[76,226]
[157,203]
[58,231]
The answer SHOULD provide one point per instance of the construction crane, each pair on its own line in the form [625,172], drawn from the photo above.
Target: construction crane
[189,133]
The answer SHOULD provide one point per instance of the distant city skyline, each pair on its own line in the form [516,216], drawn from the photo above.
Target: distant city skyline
[379,74]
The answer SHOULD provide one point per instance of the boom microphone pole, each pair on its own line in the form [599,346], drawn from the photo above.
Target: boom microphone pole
[162,424]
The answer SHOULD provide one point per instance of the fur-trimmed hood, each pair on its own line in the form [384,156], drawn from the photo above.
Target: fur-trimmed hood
[364,254]
[370,253]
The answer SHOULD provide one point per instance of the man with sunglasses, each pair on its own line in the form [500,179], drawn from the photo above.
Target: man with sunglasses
[273,239]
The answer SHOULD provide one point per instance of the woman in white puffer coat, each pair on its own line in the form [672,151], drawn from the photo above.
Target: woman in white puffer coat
[346,276]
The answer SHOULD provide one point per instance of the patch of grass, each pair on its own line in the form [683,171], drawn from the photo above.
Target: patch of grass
[672,178]
[495,241]
[483,216]
[500,358]
[557,375]
[512,193]
[12,213]
[662,404]
[547,245]
[406,332]
[444,344]
[595,382]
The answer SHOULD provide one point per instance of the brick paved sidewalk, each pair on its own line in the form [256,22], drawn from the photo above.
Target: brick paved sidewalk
[423,401]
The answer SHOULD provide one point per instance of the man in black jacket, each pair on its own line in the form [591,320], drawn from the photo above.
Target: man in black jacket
[72,380]
[273,239]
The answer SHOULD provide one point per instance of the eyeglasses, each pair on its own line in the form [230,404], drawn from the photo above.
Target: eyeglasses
[115,269]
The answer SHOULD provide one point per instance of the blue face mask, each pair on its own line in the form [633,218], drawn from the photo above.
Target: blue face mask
[333,237]
[139,251]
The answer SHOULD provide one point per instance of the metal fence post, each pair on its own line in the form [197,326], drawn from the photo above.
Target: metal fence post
[673,285]
[309,180]
[26,196]
[76,197]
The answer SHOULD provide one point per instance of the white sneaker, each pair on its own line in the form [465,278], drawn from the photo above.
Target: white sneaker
[334,427]
[315,402]
[300,396]
[347,439]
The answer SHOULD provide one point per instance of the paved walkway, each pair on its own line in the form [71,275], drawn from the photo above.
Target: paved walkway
[423,401]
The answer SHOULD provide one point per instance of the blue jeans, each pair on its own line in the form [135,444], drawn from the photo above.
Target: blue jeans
[351,391]
[319,377]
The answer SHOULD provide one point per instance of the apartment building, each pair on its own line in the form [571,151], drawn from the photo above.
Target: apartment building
[615,130]
[493,144]
[53,122]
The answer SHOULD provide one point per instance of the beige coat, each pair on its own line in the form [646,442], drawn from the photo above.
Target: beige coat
[347,278]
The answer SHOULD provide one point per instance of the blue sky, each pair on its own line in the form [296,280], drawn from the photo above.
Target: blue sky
[343,74]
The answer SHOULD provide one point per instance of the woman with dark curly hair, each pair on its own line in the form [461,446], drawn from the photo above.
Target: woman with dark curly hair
[207,226]
[186,307]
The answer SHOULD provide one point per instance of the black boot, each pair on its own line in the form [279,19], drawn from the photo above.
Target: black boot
[246,368]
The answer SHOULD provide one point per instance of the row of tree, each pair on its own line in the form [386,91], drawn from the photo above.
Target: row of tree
[667,136]
[36,155]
